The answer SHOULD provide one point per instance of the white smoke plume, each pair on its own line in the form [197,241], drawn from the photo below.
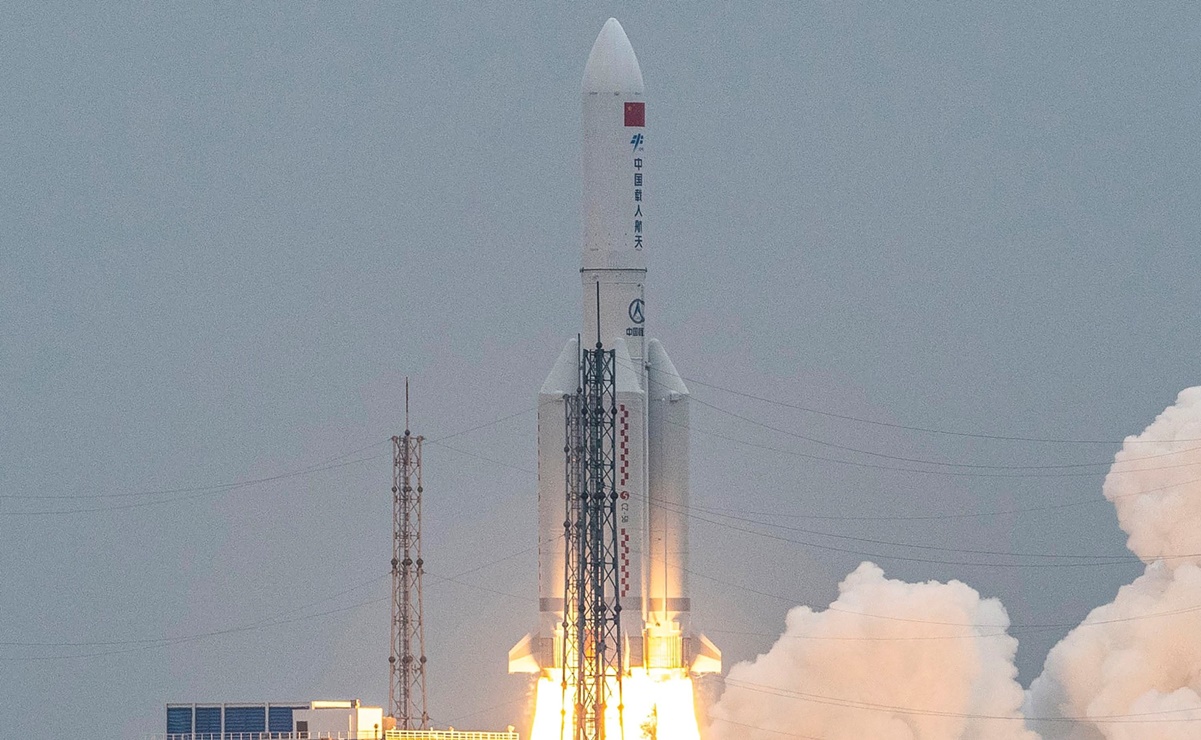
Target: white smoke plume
[1132,669]
[1155,484]
[888,660]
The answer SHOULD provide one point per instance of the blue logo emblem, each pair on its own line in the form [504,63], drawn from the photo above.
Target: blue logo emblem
[637,141]
[636,311]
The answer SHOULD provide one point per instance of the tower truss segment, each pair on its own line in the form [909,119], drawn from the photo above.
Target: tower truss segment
[593,660]
[406,687]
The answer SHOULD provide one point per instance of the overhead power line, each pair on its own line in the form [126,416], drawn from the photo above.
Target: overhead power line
[204,493]
[990,470]
[912,428]
[920,471]
[1016,628]
[1123,718]
[166,642]
[1097,561]
[327,464]
[190,493]
[938,517]
[1124,557]
[920,461]
[269,621]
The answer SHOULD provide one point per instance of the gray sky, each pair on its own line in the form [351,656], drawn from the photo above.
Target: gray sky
[227,233]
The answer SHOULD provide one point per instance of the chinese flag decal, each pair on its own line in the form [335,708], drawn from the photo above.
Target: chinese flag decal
[635,114]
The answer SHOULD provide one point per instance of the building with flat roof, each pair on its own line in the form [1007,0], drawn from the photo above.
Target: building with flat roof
[340,719]
[345,719]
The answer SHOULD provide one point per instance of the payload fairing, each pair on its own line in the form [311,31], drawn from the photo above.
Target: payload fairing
[651,399]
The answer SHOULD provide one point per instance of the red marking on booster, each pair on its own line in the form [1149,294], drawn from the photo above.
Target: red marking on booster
[636,114]
[624,450]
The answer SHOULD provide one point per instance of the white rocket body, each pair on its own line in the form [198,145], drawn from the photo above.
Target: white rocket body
[652,400]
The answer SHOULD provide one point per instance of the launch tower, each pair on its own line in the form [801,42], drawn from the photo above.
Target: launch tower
[592,641]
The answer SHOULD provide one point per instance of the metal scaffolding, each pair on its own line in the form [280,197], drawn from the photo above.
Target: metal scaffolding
[592,640]
[406,688]
[572,529]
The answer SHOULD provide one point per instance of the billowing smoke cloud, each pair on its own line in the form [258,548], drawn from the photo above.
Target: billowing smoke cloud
[888,660]
[1132,669]
[1155,482]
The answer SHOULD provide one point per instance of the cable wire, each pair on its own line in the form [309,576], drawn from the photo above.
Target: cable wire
[911,428]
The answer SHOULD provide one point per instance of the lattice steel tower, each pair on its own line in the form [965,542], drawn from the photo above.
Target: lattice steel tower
[592,640]
[406,690]
[573,527]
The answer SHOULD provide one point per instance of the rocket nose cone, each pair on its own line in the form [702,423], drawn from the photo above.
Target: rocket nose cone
[612,66]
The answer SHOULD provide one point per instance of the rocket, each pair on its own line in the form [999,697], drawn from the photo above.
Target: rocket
[652,399]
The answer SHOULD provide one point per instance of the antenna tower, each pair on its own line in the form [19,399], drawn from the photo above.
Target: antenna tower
[406,689]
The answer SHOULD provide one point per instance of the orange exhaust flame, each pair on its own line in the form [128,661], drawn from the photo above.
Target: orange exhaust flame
[657,707]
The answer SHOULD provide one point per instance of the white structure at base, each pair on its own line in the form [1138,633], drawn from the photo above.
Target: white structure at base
[325,718]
